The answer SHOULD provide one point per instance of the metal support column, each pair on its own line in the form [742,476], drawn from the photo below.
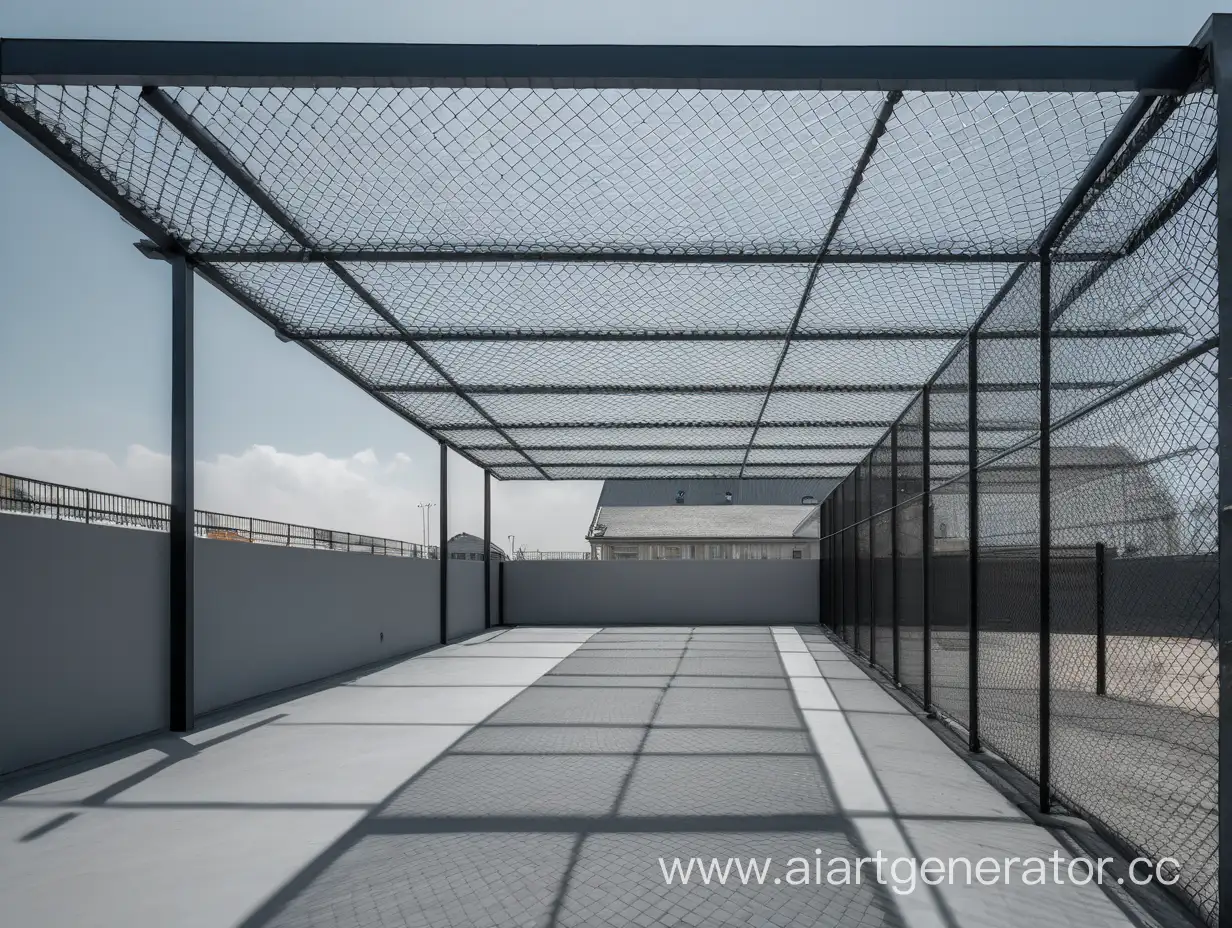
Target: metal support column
[973,543]
[444,543]
[872,565]
[1219,36]
[487,549]
[1101,632]
[926,547]
[1045,538]
[500,593]
[183,507]
[894,597]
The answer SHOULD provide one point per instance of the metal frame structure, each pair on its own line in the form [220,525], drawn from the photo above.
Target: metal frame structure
[436,327]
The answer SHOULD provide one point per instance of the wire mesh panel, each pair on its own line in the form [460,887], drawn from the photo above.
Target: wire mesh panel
[863,541]
[851,573]
[1142,757]
[909,579]
[881,565]
[1009,607]
[948,412]
[1134,578]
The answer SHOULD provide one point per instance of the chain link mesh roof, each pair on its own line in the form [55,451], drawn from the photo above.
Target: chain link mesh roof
[624,281]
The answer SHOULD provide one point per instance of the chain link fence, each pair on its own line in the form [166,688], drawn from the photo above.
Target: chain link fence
[1051,495]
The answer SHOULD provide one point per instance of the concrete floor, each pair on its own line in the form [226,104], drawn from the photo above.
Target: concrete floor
[534,777]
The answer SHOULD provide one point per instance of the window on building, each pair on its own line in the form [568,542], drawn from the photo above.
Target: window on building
[718,552]
[667,552]
[797,555]
[624,554]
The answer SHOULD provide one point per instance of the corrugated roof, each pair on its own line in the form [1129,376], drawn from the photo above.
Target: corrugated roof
[710,492]
[626,522]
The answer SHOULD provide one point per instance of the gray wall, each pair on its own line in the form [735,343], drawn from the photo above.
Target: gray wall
[83,626]
[661,592]
[268,617]
[465,601]
[83,636]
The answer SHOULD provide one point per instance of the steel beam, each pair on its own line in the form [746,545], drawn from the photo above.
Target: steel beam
[1148,69]
[973,542]
[894,554]
[182,712]
[1045,541]
[694,335]
[575,389]
[556,256]
[857,176]
[444,542]
[926,547]
[1217,38]
[723,424]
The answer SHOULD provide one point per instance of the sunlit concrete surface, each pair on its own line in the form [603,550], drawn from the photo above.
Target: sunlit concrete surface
[531,777]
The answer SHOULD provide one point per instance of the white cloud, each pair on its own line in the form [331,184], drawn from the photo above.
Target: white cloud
[359,493]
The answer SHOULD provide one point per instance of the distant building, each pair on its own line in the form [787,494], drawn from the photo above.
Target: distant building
[467,547]
[708,519]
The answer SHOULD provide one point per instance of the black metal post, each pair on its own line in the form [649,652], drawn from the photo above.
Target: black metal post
[1045,538]
[487,549]
[500,593]
[444,542]
[183,507]
[973,543]
[872,564]
[926,547]
[1101,640]
[822,515]
[1219,36]
[894,604]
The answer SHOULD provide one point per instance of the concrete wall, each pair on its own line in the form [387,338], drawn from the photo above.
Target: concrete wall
[465,602]
[269,617]
[83,626]
[83,637]
[661,592]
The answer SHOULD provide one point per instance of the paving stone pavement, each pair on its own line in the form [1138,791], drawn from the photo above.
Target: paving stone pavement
[557,810]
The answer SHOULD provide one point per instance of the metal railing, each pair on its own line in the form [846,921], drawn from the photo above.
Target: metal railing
[26,496]
[553,556]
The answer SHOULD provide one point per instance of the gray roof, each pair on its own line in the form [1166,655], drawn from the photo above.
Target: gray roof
[670,522]
[710,492]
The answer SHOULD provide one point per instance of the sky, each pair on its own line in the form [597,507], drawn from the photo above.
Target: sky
[85,319]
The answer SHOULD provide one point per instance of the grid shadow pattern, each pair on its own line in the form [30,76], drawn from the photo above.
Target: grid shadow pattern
[563,807]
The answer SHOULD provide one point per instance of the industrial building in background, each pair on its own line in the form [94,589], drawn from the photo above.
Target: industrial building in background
[712,520]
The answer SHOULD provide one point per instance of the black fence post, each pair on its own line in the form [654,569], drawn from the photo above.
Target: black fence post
[487,548]
[926,546]
[894,595]
[444,543]
[1101,632]
[1045,537]
[182,714]
[500,593]
[1220,50]
[871,612]
[973,542]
